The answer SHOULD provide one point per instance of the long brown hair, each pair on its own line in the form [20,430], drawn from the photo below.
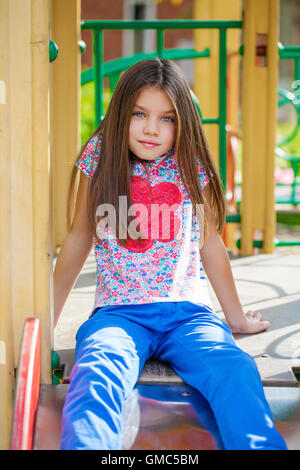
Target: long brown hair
[111,178]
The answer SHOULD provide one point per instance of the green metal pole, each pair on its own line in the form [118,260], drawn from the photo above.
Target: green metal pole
[286,242]
[222,104]
[297,68]
[160,42]
[159,24]
[211,121]
[259,243]
[98,67]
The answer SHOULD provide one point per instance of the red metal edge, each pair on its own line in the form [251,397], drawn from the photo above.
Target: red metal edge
[27,387]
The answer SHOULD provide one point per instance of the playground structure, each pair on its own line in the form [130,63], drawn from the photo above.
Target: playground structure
[27,289]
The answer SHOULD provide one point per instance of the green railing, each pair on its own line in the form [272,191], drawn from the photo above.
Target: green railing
[113,69]
[286,97]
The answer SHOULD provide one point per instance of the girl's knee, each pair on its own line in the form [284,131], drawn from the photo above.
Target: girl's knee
[235,368]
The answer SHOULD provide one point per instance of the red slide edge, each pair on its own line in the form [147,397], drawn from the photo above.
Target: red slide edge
[27,387]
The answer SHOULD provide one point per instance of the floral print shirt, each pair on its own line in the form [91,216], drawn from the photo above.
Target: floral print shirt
[165,265]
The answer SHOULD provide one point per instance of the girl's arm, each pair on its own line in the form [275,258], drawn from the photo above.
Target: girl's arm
[217,266]
[74,251]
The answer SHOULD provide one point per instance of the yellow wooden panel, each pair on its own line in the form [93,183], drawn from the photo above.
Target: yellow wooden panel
[20,102]
[206,73]
[41,189]
[259,151]
[262,16]
[272,85]
[248,110]
[207,70]
[65,99]
[6,334]
[259,124]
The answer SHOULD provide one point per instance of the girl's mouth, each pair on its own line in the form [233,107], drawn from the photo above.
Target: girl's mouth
[148,144]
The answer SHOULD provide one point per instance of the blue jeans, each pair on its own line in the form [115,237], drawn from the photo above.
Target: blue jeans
[112,347]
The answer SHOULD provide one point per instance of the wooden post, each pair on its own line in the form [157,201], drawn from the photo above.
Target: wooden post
[20,155]
[6,333]
[260,76]
[207,75]
[65,99]
[206,78]
[42,227]
[26,268]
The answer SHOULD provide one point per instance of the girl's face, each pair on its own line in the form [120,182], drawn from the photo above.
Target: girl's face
[153,124]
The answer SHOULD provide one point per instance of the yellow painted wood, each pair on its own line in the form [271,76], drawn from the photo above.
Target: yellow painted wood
[207,74]
[20,155]
[207,70]
[6,334]
[206,81]
[248,131]
[25,184]
[41,181]
[65,98]
[272,86]
[259,97]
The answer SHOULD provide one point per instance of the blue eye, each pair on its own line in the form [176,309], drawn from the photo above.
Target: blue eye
[168,119]
[138,114]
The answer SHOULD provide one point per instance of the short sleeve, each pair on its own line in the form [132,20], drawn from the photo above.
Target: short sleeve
[202,175]
[90,157]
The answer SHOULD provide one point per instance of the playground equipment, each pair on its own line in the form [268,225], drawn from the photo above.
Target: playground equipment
[31,269]
[162,413]
[289,98]
[228,137]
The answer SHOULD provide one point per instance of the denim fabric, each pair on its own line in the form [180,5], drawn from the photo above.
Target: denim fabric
[111,350]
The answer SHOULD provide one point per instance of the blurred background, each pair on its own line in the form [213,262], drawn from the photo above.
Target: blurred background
[126,43]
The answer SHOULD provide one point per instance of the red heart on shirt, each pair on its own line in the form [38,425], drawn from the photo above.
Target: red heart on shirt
[154,207]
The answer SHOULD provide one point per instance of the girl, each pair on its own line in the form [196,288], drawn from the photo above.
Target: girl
[149,158]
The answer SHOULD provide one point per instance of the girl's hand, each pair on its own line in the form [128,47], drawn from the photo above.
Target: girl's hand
[252,322]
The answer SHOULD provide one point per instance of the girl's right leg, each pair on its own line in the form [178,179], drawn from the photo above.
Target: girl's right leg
[110,353]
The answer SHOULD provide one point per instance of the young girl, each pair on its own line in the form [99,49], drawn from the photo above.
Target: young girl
[145,173]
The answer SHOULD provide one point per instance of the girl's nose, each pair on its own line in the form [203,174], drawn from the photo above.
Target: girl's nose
[151,127]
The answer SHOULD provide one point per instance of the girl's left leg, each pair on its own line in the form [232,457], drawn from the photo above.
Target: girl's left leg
[202,350]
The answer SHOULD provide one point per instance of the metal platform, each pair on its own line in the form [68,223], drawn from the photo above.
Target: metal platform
[173,417]
[165,413]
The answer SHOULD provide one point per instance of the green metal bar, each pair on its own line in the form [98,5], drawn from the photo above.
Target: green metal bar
[293,185]
[288,52]
[211,121]
[159,24]
[123,63]
[160,42]
[296,183]
[222,104]
[291,52]
[297,68]
[259,243]
[98,65]
[235,218]
[113,80]
[286,242]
